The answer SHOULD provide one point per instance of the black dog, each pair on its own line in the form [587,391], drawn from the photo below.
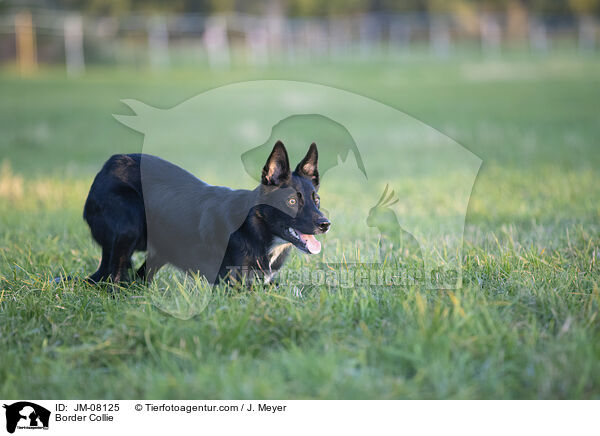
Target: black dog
[139,202]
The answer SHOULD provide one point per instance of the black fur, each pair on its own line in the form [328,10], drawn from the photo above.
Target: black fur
[143,203]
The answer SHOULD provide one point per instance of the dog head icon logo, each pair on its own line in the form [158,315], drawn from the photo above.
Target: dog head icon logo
[24,414]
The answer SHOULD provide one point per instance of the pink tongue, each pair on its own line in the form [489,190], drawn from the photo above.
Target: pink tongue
[311,242]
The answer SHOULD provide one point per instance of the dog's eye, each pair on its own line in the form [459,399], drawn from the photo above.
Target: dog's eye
[317,199]
[292,201]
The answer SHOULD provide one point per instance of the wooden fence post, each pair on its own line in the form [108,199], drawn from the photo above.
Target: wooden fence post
[26,47]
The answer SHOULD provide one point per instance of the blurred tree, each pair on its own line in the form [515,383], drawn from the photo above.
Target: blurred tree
[547,6]
[118,7]
[321,8]
[403,6]
[440,5]
[585,7]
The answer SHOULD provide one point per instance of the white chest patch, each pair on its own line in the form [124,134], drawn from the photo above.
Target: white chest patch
[277,248]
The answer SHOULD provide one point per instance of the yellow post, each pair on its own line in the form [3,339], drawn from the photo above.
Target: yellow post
[26,47]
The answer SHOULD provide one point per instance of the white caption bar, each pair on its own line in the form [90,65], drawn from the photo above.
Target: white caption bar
[275,417]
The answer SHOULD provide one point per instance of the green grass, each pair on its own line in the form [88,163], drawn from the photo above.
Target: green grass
[524,325]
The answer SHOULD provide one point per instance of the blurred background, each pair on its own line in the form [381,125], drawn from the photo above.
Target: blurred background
[160,34]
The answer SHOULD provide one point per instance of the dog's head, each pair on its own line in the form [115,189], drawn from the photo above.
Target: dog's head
[290,200]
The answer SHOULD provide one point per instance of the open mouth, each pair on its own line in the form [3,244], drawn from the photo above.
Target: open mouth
[306,243]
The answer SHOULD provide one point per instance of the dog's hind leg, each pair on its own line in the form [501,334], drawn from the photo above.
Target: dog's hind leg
[103,272]
[120,257]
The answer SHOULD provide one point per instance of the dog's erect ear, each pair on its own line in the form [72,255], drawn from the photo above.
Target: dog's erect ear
[308,166]
[277,168]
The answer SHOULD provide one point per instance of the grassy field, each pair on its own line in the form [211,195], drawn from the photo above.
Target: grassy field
[524,325]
